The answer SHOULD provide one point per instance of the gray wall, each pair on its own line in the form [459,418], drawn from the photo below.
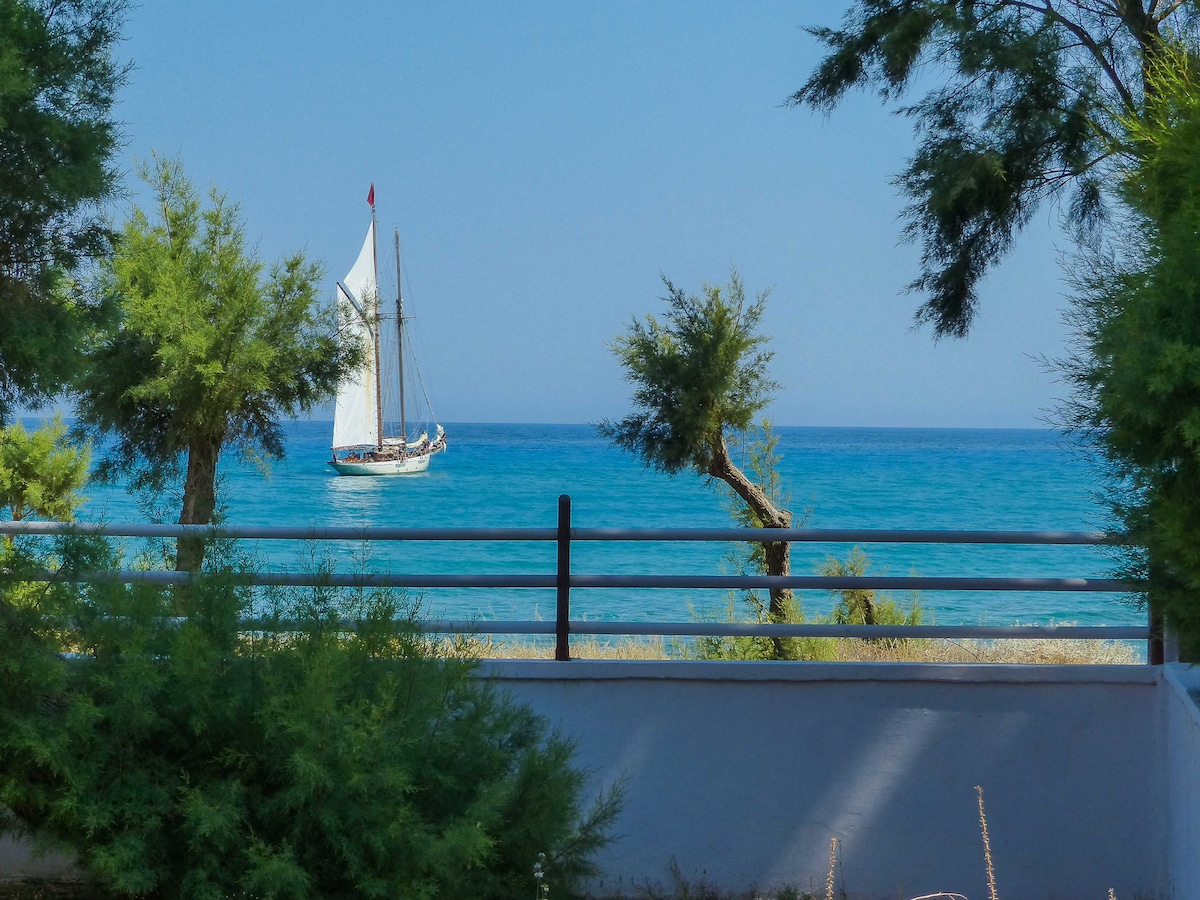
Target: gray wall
[742,773]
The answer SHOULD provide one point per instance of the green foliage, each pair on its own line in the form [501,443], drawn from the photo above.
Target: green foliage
[57,86]
[1137,369]
[40,472]
[1028,105]
[861,606]
[854,607]
[207,353]
[761,648]
[323,754]
[699,370]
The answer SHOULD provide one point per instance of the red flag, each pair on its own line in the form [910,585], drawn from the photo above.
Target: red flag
[371,195]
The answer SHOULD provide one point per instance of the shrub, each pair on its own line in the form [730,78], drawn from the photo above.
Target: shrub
[866,606]
[854,607]
[326,753]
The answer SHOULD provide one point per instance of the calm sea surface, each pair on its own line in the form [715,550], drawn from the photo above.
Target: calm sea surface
[511,475]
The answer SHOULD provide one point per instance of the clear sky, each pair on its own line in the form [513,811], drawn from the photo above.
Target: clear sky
[546,161]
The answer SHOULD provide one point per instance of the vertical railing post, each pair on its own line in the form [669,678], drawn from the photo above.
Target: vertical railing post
[562,614]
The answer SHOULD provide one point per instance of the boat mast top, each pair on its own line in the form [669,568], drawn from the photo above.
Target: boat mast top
[400,339]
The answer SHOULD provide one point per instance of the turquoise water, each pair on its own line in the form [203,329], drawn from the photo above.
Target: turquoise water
[512,475]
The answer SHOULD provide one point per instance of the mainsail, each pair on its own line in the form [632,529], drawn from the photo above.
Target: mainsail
[356,409]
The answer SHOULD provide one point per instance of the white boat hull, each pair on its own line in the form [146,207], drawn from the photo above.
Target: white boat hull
[408,465]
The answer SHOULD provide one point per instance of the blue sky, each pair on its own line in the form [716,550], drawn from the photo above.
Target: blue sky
[545,162]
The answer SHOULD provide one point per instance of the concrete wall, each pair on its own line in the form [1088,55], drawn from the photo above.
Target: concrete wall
[1182,693]
[742,773]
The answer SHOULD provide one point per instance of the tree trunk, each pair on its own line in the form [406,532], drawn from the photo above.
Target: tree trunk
[199,500]
[776,554]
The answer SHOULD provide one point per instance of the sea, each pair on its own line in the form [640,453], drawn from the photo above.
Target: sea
[506,475]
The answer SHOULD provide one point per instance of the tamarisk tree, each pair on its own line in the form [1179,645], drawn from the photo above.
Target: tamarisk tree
[1025,105]
[700,372]
[208,354]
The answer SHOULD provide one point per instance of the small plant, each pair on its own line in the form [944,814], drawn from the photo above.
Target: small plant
[832,864]
[859,606]
[987,846]
[855,607]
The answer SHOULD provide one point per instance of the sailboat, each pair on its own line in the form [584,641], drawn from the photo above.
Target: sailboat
[373,431]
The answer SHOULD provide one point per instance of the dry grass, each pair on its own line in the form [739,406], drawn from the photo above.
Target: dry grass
[581,648]
[1028,652]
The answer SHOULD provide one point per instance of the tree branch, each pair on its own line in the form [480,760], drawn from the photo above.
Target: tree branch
[722,467]
[1088,42]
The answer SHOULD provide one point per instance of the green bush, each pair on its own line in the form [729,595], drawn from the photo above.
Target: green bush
[854,607]
[326,753]
[861,606]
[759,648]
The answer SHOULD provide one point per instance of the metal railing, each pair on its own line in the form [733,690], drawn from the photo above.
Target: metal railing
[563,580]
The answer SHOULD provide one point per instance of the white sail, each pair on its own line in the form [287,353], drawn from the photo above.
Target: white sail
[356,410]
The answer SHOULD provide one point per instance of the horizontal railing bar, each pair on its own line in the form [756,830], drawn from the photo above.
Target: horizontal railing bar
[282,532]
[429,626]
[388,533]
[843,583]
[491,626]
[845,536]
[295,579]
[706,582]
[750,629]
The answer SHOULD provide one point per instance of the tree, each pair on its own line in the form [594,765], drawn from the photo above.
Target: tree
[207,354]
[40,475]
[1028,107]
[40,472]
[1136,369]
[702,371]
[305,757]
[57,85]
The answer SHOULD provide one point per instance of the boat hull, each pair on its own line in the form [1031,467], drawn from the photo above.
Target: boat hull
[408,465]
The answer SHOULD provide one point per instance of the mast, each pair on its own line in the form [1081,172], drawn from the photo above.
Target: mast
[375,330]
[400,339]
